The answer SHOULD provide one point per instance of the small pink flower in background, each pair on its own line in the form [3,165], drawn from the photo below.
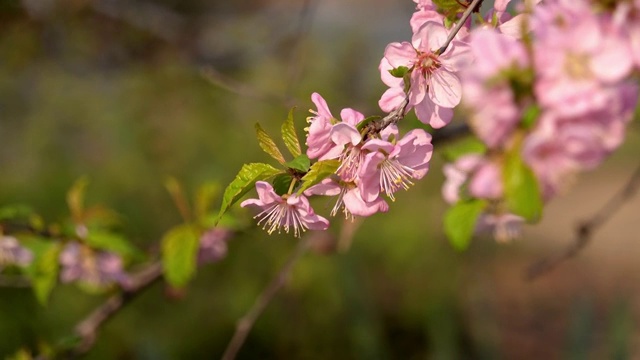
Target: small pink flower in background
[213,245]
[483,176]
[390,167]
[318,139]
[435,88]
[96,268]
[456,174]
[12,253]
[494,112]
[350,200]
[503,227]
[292,211]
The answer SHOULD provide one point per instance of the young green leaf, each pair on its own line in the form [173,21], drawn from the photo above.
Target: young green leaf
[15,212]
[244,181]
[179,197]
[44,269]
[521,188]
[179,254]
[300,163]
[75,198]
[318,172]
[460,222]
[290,137]
[111,242]
[399,72]
[205,196]
[267,144]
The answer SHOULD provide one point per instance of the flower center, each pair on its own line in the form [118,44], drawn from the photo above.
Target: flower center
[340,202]
[577,66]
[350,162]
[394,176]
[281,215]
[427,63]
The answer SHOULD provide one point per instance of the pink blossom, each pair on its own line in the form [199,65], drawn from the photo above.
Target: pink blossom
[213,245]
[12,253]
[350,200]
[389,167]
[484,178]
[288,211]
[503,227]
[574,55]
[456,174]
[318,142]
[561,146]
[347,140]
[487,85]
[425,11]
[92,267]
[435,87]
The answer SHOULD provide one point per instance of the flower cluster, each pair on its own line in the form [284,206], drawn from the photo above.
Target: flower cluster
[548,95]
[560,100]
[370,164]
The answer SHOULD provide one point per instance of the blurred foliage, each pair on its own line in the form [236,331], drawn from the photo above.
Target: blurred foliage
[88,90]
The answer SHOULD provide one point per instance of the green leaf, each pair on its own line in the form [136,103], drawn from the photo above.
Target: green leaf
[244,181]
[399,72]
[179,254]
[178,196]
[301,163]
[318,172]
[281,183]
[111,242]
[205,197]
[44,269]
[361,125]
[290,137]
[522,191]
[267,144]
[460,222]
[75,198]
[465,146]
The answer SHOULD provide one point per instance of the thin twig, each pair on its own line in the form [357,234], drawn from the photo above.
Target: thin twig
[458,26]
[87,328]
[245,324]
[238,88]
[586,229]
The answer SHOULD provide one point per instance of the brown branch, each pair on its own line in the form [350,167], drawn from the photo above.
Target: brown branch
[245,324]
[88,328]
[586,229]
[450,132]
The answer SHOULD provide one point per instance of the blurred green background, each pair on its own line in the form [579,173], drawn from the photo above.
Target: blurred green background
[123,92]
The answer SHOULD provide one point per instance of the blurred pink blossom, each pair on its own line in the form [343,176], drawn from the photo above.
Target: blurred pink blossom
[12,253]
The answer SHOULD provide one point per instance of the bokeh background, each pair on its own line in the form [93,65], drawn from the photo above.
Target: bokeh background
[130,92]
